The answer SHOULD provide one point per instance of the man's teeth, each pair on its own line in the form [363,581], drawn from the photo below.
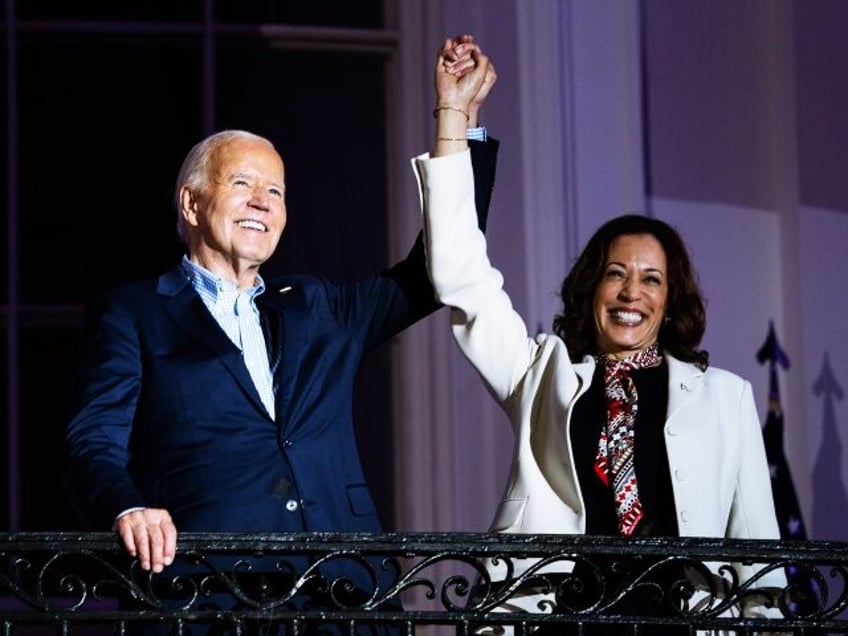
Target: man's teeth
[629,317]
[254,225]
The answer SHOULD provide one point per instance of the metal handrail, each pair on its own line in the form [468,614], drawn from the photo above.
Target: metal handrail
[409,580]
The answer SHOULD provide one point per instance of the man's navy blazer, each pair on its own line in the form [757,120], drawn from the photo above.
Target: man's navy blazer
[168,417]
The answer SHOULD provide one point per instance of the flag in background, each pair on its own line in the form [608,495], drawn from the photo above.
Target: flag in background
[786,506]
[785,499]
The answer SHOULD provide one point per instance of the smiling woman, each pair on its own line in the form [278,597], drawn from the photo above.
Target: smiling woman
[618,406]
[650,260]
[630,299]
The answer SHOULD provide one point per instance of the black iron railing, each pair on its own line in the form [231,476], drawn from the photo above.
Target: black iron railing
[420,583]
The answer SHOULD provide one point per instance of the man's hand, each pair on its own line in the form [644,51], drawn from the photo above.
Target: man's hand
[150,535]
[482,94]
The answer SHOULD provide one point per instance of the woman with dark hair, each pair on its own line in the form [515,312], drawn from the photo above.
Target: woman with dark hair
[621,426]
[679,337]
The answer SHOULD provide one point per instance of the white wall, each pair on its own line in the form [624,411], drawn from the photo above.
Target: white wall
[709,142]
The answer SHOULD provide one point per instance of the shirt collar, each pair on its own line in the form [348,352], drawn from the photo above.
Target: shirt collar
[209,285]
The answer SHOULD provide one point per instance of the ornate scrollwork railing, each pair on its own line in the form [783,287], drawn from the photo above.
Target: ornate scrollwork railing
[464,582]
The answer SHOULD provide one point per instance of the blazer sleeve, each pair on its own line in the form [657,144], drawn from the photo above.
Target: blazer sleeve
[411,273]
[384,305]
[98,484]
[485,325]
[484,159]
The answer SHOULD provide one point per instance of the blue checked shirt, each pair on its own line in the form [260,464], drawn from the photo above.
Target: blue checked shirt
[477,134]
[238,316]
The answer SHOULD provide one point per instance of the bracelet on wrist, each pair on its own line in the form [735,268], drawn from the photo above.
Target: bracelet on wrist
[453,108]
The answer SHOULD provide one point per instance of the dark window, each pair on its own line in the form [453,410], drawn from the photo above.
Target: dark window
[110,96]
[354,14]
[47,355]
[4,174]
[125,10]
[9,471]
[106,122]
[325,112]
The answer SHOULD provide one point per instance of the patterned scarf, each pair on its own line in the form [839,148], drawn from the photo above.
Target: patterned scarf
[614,460]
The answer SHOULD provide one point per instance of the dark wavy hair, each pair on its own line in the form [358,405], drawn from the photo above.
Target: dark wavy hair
[682,330]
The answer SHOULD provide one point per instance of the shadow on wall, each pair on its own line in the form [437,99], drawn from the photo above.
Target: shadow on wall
[829,489]
[830,503]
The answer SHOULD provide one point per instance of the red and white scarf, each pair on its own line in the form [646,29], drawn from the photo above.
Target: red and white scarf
[614,460]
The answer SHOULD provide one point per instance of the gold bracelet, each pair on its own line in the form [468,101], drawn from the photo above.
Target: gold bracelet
[454,108]
[451,139]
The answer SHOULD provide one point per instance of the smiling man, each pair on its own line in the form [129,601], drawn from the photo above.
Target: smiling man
[213,400]
[233,213]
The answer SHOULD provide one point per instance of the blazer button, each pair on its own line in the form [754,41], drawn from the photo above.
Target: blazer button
[291,505]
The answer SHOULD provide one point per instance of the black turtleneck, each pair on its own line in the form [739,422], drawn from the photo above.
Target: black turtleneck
[650,456]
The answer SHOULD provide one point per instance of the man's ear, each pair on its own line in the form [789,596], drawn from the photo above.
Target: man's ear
[188,205]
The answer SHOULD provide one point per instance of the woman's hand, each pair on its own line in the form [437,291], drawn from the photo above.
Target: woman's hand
[463,78]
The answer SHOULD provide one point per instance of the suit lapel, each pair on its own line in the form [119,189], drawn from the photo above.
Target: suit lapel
[272,330]
[284,314]
[185,307]
[684,384]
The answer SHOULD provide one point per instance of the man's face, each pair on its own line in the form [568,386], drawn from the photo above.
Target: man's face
[237,220]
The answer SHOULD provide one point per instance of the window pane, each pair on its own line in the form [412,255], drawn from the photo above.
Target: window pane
[104,124]
[125,10]
[361,14]
[48,356]
[5,480]
[326,114]
[4,173]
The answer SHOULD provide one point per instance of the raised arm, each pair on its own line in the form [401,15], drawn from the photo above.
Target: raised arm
[491,334]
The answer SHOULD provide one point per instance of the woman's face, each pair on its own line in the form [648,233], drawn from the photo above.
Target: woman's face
[630,299]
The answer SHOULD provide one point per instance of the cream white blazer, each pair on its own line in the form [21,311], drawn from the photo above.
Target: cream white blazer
[719,473]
